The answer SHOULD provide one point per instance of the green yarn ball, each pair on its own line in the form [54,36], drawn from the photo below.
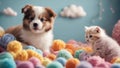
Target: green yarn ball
[55,64]
[65,54]
[77,53]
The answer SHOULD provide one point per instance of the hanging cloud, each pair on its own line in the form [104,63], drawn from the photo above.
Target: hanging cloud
[9,11]
[73,11]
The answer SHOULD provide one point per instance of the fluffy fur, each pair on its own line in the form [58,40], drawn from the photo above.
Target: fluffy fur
[37,27]
[102,44]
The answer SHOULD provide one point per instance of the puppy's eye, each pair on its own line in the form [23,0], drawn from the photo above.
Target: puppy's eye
[90,36]
[42,19]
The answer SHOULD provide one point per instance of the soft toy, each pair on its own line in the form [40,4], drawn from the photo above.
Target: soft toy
[115,65]
[58,45]
[84,64]
[72,63]
[61,60]
[2,31]
[65,54]
[5,39]
[46,61]
[6,60]
[51,56]
[54,64]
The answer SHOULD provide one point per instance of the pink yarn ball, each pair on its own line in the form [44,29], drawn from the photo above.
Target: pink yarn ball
[103,65]
[35,61]
[95,60]
[24,64]
[116,32]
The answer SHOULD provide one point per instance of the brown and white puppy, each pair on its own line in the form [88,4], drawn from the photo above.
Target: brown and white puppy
[37,27]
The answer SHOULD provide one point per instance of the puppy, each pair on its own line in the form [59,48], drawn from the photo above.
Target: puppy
[37,27]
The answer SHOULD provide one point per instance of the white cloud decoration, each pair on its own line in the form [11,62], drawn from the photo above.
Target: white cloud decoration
[73,11]
[9,11]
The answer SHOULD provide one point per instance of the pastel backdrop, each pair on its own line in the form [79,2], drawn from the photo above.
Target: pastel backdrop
[67,28]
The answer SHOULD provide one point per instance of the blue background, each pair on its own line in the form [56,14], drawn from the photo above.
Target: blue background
[66,28]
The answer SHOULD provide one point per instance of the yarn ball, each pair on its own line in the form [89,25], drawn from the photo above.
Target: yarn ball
[58,45]
[22,55]
[72,63]
[115,60]
[46,61]
[39,51]
[32,53]
[35,61]
[95,60]
[65,54]
[24,64]
[84,64]
[55,64]
[51,56]
[29,47]
[14,46]
[77,53]
[5,39]
[39,66]
[84,55]
[2,31]
[115,65]
[103,65]
[61,60]
[116,32]
[6,60]
[71,47]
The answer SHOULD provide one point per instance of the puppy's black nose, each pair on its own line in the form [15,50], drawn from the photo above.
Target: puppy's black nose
[35,24]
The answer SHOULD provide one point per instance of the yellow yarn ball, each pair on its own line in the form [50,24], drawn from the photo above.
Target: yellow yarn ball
[46,61]
[2,31]
[58,45]
[22,55]
[32,53]
[14,46]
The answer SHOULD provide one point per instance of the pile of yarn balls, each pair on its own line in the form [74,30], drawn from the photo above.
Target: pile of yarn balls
[71,54]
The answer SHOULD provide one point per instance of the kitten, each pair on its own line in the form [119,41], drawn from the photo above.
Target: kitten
[102,44]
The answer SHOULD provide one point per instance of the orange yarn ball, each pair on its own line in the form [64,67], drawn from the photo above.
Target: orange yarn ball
[51,56]
[58,45]
[32,53]
[14,46]
[88,49]
[72,63]
[70,51]
[22,55]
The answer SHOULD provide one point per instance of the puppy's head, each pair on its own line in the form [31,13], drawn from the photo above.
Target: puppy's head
[38,19]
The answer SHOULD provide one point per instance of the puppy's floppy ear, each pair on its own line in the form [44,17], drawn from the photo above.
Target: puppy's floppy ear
[50,12]
[26,8]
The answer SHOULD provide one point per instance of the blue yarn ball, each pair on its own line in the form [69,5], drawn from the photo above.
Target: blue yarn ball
[39,51]
[30,47]
[5,39]
[84,64]
[61,60]
[116,65]
[55,64]
[65,54]
[6,60]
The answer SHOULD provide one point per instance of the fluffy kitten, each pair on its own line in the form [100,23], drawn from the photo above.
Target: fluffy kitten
[102,44]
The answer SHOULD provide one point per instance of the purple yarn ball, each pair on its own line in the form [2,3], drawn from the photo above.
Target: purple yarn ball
[116,32]
[24,64]
[5,39]
[84,64]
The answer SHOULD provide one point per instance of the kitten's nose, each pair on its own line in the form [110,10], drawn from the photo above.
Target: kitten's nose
[35,24]
[87,40]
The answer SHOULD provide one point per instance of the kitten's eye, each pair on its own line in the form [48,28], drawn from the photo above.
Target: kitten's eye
[98,48]
[90,36]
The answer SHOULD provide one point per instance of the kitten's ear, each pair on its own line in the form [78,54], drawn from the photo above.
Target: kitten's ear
[86,27]
[97,29]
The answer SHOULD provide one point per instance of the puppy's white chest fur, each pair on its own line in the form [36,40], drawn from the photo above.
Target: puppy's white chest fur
[40,41]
